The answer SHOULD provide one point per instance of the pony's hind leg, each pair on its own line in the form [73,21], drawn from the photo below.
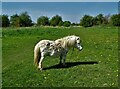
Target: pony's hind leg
[40,63]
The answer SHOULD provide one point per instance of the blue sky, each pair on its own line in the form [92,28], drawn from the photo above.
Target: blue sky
[71,11]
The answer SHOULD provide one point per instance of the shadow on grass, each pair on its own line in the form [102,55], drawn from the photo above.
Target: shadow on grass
[70,64]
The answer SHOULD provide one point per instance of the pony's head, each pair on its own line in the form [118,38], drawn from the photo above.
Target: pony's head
[78,43]
[70,41]
[73,41]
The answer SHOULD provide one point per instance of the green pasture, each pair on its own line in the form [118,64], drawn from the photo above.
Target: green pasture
[95,66]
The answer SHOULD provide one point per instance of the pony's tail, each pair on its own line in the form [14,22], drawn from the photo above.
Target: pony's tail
[37,55]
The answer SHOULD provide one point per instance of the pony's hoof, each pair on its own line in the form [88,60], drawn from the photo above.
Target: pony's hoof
[64,65]
[39,68]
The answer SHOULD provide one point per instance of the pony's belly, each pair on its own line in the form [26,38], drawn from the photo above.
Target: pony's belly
[47,54]
[56,55]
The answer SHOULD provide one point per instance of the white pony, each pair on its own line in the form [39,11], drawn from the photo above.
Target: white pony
[58,47]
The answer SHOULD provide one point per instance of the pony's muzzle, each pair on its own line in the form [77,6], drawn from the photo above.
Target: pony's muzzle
[80,48]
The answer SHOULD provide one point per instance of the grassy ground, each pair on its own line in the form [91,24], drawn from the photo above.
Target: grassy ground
[95,66]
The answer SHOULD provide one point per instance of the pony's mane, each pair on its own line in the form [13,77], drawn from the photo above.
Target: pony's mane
[66,42]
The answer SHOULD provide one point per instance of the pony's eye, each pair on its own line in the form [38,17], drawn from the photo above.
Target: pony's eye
[78,38]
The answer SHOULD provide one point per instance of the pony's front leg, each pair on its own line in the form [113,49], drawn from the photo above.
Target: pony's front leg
[64,58]
[40,63]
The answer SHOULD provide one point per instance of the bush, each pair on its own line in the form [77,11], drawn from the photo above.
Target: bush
[60,23]
[86,21]
[25,20]
[115,20]
[67,23]
[15,20]
[5,21]
[43,20]
[55,20]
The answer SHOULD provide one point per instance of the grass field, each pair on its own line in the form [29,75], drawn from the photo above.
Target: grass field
[95,66]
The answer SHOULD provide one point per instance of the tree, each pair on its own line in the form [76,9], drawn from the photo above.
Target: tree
[67,23]
[106,19]
[86,21]
[5,21]
[25,20]
[60,23]
[95,21]
[73,24]
[99,19]
[55,20]
[43,20]
[115,20]
[15,20]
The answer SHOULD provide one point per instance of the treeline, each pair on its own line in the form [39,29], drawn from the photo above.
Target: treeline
[88,21]
[24,20]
